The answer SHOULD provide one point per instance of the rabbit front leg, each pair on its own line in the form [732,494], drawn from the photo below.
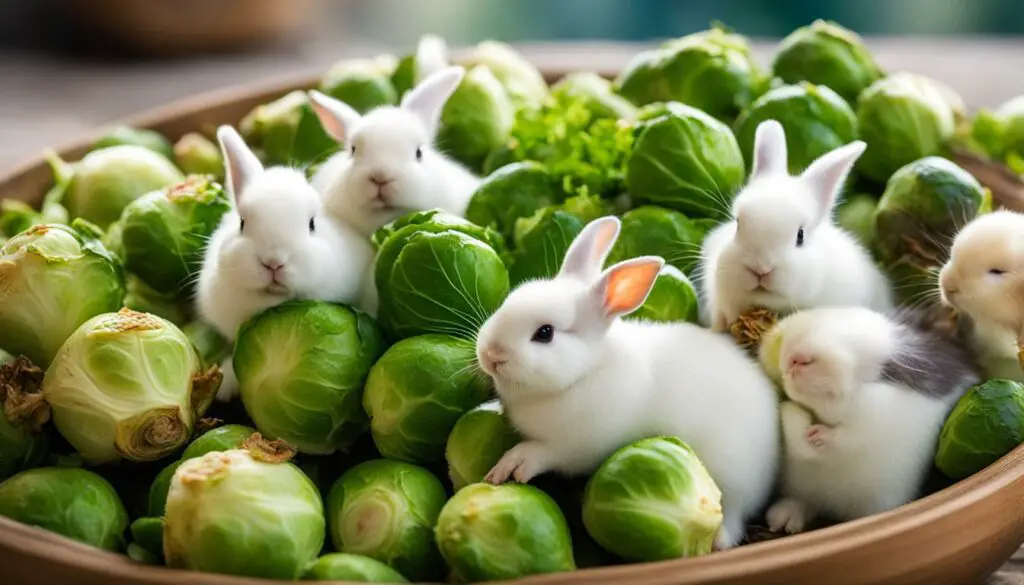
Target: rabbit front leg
[522,463]
[803,437]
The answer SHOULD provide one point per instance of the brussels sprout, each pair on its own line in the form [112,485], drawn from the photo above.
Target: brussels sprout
[653,500]
[654,231]
[222,438]
[987,423]
[128,385]
[825,53]
[416,393]
[513,191]
[243,513]
[74,503]
[815,118]
[196,154]
[148,535]
[386,510]
[476,119]
[287,132]
[476,443]
[430,57]
[156,502]
[126,135]
[687,161]
[713,70]
[904,117]
[142,298]
[541,243]
[597,94]
[17,216]
[436,221]
[491,532]
[856,214]
[352,568]
[105,181]
[301,367]
[212,347]
[363,84]
[23,445]
[54,278]
[672,299]
[164,233]
[521,79]
[924,204]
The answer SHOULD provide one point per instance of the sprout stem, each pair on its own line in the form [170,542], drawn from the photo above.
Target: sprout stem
[21,394]
[152,434]
[261,449]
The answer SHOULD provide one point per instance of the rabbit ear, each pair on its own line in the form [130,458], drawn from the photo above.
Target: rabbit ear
[240,164]
[428,98]
[625,286]
[337,117]
[769,149]
[825,176]
[587,253]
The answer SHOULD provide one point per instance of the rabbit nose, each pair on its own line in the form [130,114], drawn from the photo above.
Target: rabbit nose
[760,271]
[800,360]
[494,357]
[379,179]
[273,265]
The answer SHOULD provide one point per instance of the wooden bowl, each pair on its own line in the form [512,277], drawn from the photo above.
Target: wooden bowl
[958,535]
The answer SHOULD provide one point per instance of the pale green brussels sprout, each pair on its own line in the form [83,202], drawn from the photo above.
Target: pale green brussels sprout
[987,423]
[126,135]
[476,119]
[17,216]
[856,214]
[55,278]
[242,512]
[685,160]
[673,298]
[815,118]
[654,231]
[351,568]
[210,344]
[416,393]
[513,191]
[653,500]
[363,84]
[196,154]
[143,298]
[287,131]
[904,117]
[520,78]
[301,367]
[597,93]
[387,510]
[712,70]
[476,443]
[164,233]
[1000,133]
[23,444]
[491,532]
[128,385]
[825,53]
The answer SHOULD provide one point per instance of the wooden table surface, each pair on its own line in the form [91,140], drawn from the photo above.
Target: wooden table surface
[46,101]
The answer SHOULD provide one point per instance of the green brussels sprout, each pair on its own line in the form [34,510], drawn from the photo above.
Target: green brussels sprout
[815,118]
[596,93]
[653,500]
[673,298]
[825,53]
[196,154]
[23,445]
[986,423]
[363,84]
[655,231]
[404,76]
[476,119]
[541,243]
[490,532]
[148,534]
[126,135]
[511,192]
[924,204]
[431,56]
[156,501]
[164,233]
[223,438]
[287,132]
[241,513]
[74,503]
[436,221]
[301,367]
[142,298]
[127,385]
[352,568]
[212,347]
[713,70]
[688,161]
[17,216]
[999,134]
[105,181]
[54,279]
[416,393]
[856,214]
[520,78]
[476,443]
[903,118]
[386,510]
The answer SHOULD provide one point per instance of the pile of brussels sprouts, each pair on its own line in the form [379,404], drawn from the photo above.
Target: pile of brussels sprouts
[358,446]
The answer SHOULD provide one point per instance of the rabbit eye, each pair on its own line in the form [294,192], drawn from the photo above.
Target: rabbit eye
[241,224]
[800,238]
[543,334]
[996,272]
[419,153]
[312,225]
[352,149]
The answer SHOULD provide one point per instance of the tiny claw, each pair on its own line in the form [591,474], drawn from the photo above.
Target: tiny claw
[817,435]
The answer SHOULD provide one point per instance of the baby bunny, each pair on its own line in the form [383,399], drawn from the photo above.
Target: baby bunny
[782,251]
[868,397]
[389,166]
[276,244]
[983,281]
[578,382]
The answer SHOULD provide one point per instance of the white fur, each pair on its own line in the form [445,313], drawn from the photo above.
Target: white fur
[873,442]
[385,142]
[830,269]
[604,382]
[992,303]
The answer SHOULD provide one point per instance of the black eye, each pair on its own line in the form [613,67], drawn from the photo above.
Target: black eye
[241,224]
[312,225]
[419,153]
[799,237]
[352,149]
[543,334]
[996,272]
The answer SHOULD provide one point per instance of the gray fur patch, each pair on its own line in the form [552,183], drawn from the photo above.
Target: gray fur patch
[930,361]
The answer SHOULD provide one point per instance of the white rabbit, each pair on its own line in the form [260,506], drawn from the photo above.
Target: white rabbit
[276,244]
[782,251]
[579,382]
[984,281]
[389,166]
[868,397]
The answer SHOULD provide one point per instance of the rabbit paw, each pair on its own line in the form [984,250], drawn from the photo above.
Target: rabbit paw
[522,463]
[818,435]
[789,515]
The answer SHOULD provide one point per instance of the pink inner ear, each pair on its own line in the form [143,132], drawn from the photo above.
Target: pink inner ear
[628,287]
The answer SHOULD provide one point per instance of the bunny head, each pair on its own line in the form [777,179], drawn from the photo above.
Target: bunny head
[549,334]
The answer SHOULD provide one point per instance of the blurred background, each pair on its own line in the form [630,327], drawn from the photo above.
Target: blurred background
[69,66]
